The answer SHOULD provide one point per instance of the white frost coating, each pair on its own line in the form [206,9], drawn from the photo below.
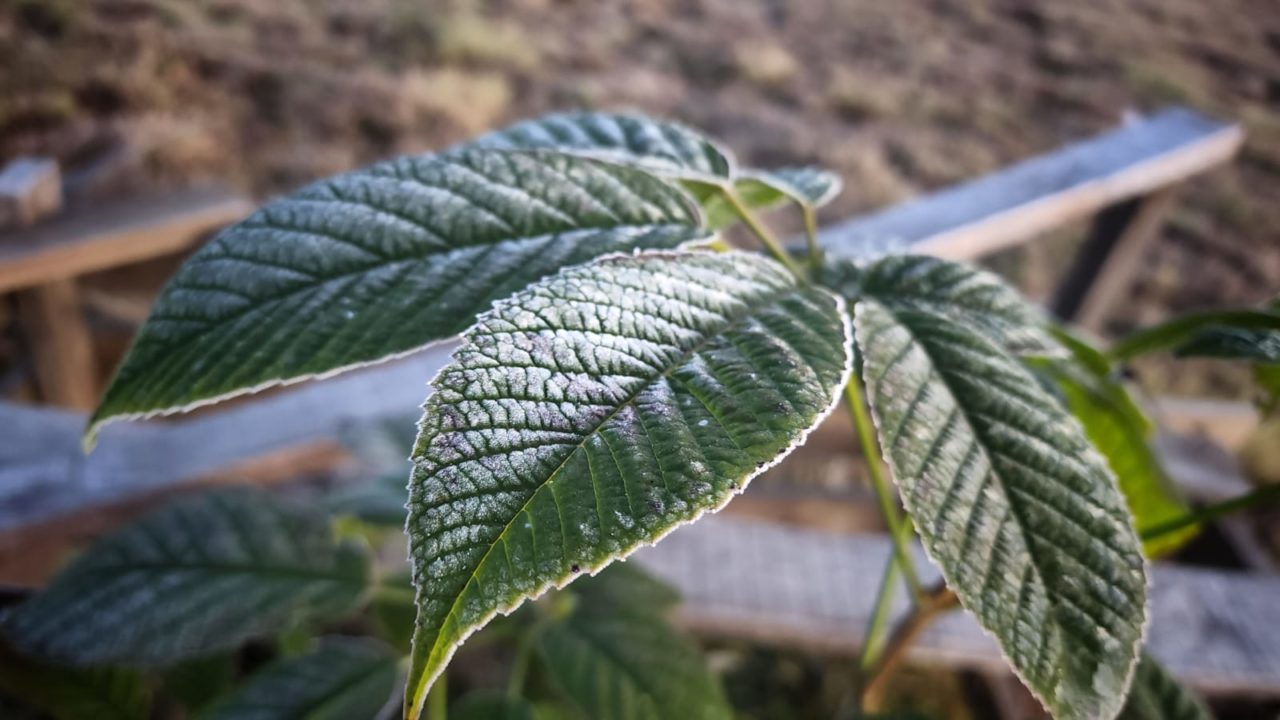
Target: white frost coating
[1126,682]
[417,688]
[93,428]
[796,193]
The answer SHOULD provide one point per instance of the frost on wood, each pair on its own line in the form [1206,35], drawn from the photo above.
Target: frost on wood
[379,262]
[595,412]
[1021,514]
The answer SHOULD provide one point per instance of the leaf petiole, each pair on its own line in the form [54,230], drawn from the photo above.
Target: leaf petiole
[1208,513]
[765,236]
[899,532]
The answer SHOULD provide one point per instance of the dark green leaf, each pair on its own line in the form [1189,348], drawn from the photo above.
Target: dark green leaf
[595,412]
[1233,324]
[962,293]
[1156,695]
[1233,343]
[1020,513]
[625,584]
[379,262]
[620,663]
[380,501]
[764,189]
[196,683]
[662,147]
[73,693]
[339,679]
[201,575]
[488,705]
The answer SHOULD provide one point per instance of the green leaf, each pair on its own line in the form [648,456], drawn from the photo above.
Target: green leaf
[619,663]
[203,574]
[979,300]
[1119,429]
[1019,512]
[1156,695]
[626,584]
[74,693]
[339,679]
[196,683]
[1230,326]
[810,187]
[377,263]
[490,705]
[1233,343]
[661,147]
[380,501]
[597,411]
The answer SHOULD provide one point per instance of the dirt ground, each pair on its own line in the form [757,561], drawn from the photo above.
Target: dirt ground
[900,97]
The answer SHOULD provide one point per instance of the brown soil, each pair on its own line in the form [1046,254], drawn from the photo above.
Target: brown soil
[899,97]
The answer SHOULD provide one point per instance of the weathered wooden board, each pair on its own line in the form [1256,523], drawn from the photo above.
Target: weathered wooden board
[1008,207]
[80,242]
[44,473]
[1218,631]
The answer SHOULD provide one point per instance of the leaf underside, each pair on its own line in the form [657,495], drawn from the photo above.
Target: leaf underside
[620,662]
[1156,695]
[597,411]
[380,262]
[1020,513]
[338,679]
[659,146]
[201,575]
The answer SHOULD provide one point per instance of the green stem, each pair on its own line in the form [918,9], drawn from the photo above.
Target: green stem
[811,238]
[760,231]
[520,666]
[878,626]
[932,604]
[1208,513]
[898,532]
[438,699]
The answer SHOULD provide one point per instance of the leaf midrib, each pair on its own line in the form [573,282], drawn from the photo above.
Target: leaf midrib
[748,312]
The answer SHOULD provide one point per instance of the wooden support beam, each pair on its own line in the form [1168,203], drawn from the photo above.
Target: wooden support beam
[1008,207]
[53,322]
[1107,262]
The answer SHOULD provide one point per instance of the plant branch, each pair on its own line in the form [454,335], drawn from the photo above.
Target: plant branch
[811,237]
[1208,513]
[898,531]
[936,602]
[760,231]
[878,625]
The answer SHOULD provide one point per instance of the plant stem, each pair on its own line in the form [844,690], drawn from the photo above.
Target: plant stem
[811,238]
[938,600]
[438,699]
[898,532]
[520,666]
[760,231]
[1208,513]
[873,643]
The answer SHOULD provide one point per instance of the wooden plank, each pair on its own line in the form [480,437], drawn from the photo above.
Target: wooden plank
[1010,206]
[1105,266]
[44,473]
[30,189]
[53,323]
[1218,631]
[84,241]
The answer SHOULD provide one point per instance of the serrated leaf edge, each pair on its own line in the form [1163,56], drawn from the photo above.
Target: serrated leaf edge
[1146,574]
[416,690]
[95,424]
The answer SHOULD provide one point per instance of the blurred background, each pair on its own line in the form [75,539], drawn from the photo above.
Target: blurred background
[132,103]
